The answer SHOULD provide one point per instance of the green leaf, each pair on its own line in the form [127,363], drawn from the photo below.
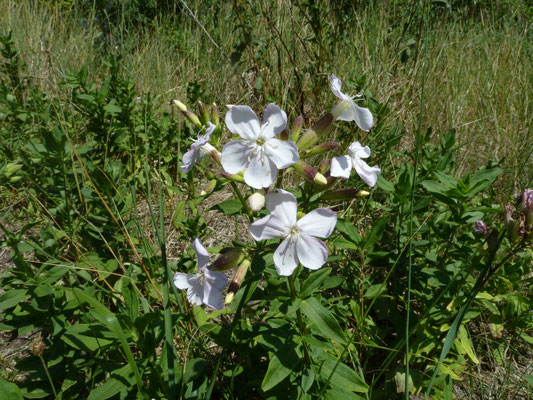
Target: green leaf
[337,394]
[117,383]
[343,376]
[349,231]
[12,297]
[314,281]
[112,108]
[322,320]
[282,363]
[110,320]
[9,390]
[229,207]
[376,233]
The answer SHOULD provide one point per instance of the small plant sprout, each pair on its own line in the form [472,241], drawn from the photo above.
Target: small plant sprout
[347,110]
[199,149]
[300,243]
[259,151]
[204,287]
[342,166]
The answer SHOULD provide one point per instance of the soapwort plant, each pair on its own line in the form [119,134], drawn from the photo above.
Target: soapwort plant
[303,296]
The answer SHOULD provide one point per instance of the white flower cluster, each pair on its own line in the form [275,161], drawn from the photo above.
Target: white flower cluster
[259,154]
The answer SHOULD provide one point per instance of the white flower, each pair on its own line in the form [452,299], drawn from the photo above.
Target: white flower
[204,287]
[300,243]
[342,166]
[259,151]
[347,110]
[199,148]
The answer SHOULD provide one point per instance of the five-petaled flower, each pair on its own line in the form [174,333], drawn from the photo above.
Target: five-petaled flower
[204,287]
[299,236]
[259,151]
[347,110]
[199,148]
[342,166]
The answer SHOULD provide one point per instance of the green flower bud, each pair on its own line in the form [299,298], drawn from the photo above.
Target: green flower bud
[209,187]
[188,113]
[309,173]
[344,194]
[203,113]
[311,136]
[237,281]
[229,258]
[214,114]
[297,128]
[322,148]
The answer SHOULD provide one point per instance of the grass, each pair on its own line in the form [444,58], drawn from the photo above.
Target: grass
[479,70]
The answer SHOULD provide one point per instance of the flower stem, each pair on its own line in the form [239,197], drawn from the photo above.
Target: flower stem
[301,324]
[48,375]
[243,202]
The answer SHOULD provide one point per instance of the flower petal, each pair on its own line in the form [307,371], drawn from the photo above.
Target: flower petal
[262,230]
[367,173]
[282,153]
[243,121]
[201,253]
[235,156]
[261,172]
[212,297]
[183,280]
[274,121]
[341,167]
[312,253]
[283,204]
[335,85]
[285,258]
[362,116]
[357,150]
[195,293]
[189,159]
[216,279]
[319,222]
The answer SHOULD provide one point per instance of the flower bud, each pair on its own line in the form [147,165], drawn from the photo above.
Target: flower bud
[237,281]
[525,199]
[310,173]
[311,136]
[234,177]
[202,112]
[209,187]
[344,194]
[229,258]
[510,223]
[188,113]
[322,148]
[256,201]
[480,229]
[323,166]
[214,114]
[297,128]
[284,135]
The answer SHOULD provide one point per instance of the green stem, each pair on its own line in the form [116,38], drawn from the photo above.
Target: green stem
[243,202]
[301,324]
[48,375]
[233,324]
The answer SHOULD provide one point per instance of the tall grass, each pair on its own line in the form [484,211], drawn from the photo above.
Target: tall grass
[479,70]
